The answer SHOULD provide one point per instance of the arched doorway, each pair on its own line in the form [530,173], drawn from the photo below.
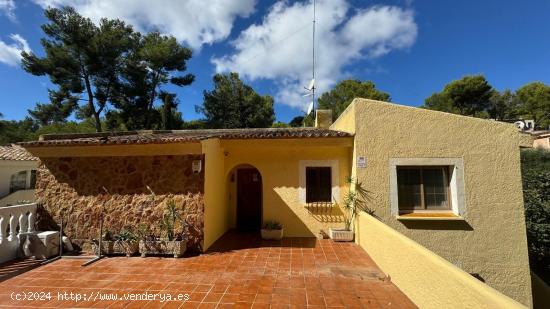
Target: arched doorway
[249,198]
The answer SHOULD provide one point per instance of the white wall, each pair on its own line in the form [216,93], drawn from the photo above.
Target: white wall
[17,196]
[8,168]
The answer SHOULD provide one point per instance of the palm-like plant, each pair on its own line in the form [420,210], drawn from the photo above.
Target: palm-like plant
[354,202]
[169,219]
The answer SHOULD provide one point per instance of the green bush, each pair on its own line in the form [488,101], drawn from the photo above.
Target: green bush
[272,225]
[535,166]
[126,235]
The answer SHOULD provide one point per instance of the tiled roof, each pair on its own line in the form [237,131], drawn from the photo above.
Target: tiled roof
[15,153]
[179,136]
[540,133]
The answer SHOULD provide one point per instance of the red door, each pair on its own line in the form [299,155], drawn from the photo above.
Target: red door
[249,199]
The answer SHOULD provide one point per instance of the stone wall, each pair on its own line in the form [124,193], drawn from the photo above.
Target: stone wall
[77,189]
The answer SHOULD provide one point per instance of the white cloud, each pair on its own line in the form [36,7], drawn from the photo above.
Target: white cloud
[11,53]
[195,22]
[7,7]
[279,48]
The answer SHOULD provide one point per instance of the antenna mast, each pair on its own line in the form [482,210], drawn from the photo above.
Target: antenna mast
[313,58]
[311,87]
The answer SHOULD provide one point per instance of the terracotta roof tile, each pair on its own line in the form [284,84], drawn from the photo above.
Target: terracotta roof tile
[15,153]
[179,136]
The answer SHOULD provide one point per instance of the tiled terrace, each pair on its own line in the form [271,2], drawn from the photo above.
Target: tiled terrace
[240,271]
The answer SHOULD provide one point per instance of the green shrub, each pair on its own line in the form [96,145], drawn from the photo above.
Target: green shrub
[272,225]
[126,235]
[535,166]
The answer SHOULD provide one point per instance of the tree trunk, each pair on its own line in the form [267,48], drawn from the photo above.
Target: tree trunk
[91,103]
[151,102]
[97,122]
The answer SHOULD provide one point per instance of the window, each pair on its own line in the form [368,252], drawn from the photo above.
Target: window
[318,184]
[32,184]
[427,187]
[319,181]
[423,188]
[18,181]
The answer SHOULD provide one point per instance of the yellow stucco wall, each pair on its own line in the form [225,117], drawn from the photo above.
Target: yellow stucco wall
[216,215]
[491,241]
[278,164]
[427,279]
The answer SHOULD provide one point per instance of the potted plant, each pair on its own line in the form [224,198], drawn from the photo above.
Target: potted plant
[272,230]
[173,243]
[126,243]
[146,239]
[353,203]
[107,244]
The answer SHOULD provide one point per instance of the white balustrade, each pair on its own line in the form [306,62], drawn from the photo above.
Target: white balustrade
[22,216]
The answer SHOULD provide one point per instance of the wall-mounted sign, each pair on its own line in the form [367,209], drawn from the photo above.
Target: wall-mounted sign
[361,162]
[197,166]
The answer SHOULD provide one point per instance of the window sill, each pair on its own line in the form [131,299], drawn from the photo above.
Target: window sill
[430,216]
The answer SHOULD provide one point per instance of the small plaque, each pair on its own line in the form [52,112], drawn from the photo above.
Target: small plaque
[197,166]
[361,162]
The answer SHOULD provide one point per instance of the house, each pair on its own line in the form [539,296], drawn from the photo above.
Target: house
[17,175]
[445,184]
[541,139]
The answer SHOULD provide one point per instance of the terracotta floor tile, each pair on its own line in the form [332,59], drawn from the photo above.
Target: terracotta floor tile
[246,297]
[239,271]
[230,298]
[157,286]
[242,305]
[280,306]
[117,304]
[203,288]
[315,298]
[170,305]
[197,296]
[213,297]
[263,298]
[219,288]
[136,304]
[189,304]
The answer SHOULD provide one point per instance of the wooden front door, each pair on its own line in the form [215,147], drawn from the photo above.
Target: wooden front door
[249,199]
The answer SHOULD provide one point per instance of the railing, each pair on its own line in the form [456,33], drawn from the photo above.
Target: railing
[15,220]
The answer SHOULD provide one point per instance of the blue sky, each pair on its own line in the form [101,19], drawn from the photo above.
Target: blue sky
[410,49]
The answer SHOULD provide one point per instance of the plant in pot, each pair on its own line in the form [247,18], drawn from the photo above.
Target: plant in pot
[353,203]
[149,243]
[272,230]
[107,244]
[126,243]
[175,230]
